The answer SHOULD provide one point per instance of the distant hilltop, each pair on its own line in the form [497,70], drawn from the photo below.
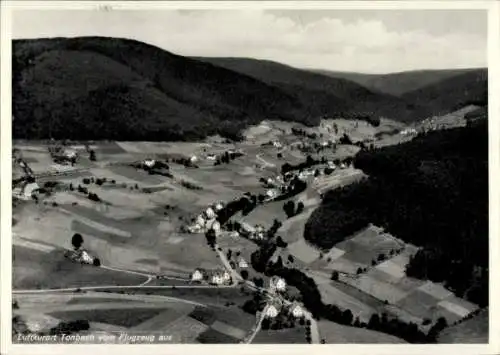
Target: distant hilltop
[119,89]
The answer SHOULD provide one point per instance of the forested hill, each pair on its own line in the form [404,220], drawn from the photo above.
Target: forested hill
[120,89]
[431,192]
[398,84]
[107,88]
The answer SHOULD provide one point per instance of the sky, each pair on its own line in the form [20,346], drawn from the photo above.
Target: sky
[367,41]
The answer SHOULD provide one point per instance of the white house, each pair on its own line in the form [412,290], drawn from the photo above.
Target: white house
[215,225]
[234,234]
[217,279]
[193,159]
[278,284]
[195,228]
[149,163]
[211,157]
[82,256]
[342,166]
[271,193]
[247,228]
[242,263]
[297,311]
[197,275]
[277,144]
[272,311]
[210,213]
[70,153]
[200,221]
[30,189]
[219,206]
[259,236]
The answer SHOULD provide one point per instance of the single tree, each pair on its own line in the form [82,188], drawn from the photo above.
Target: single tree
[300,207]
[77,240]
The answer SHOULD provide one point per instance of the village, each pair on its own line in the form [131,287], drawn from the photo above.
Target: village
[201,216]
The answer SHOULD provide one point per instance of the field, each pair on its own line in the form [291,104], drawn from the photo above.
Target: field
[335,333]
[382,287]
[33,269]
[135,230]
[137,314]
[296,335]
[471,331]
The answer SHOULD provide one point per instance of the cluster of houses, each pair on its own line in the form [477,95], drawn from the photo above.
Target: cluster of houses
[277,284]
[82,256]
[276,306]
[63,155]
[207,220]
[213,277]
[409,132]
[257,232]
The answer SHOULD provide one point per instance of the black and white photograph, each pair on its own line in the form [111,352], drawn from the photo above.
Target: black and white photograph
[248,175]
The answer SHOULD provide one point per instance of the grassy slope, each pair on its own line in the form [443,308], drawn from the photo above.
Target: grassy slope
[335,333]
[474,330]
[397,83]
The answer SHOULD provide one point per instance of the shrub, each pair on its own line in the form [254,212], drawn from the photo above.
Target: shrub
[92,196]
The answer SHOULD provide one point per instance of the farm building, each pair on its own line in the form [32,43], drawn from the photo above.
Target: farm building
[258,236]
[149,163]
[220,277]
[70,154]
[278,284]
[246,229]
[197,275]
[210,213]
[200,221]
[30,189]
[331,164]
[297,311]
[272,193]
[193,159]
[242,263]
[218,206]
[211,156]
[272,312]
[277,144]
[81,256]
[196,228]
[214,225]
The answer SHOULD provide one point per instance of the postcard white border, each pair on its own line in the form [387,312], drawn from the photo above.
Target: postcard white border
[493,8]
